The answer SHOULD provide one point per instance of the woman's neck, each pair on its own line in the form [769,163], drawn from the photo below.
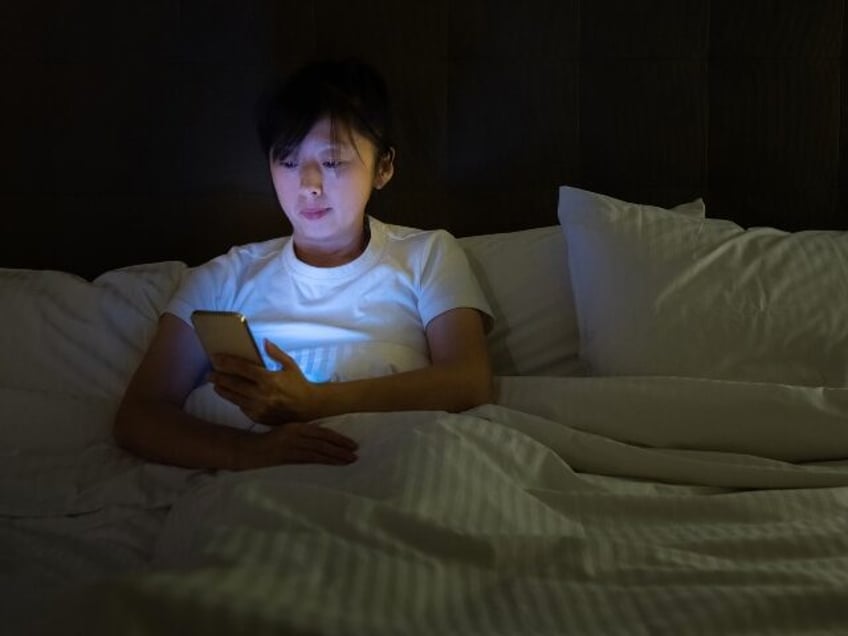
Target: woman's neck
[323,255]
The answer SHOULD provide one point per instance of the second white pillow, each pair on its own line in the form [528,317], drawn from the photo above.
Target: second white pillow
[525,277]
[662,294]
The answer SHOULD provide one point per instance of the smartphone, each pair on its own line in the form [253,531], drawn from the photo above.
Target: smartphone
[226,332]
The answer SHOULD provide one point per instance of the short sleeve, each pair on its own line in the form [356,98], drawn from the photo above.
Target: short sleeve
[205,287]
[446,281]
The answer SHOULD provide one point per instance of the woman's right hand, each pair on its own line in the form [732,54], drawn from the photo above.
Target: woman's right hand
[294,443]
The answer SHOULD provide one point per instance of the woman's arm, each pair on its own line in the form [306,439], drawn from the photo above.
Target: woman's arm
[151,422]
[459,378]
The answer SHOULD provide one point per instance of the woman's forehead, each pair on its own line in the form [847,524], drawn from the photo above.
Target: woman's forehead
[335,134]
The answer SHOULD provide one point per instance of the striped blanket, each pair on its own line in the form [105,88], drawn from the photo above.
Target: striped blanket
[573,506]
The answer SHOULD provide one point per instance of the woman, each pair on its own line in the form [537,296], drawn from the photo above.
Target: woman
[353,314]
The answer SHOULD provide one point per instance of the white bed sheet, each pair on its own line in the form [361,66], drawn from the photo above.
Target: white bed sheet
[45,558]
[576,505]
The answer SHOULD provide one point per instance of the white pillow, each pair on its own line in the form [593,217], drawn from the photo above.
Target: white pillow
[662,294]
[50,422]
[525,277]
[60,333]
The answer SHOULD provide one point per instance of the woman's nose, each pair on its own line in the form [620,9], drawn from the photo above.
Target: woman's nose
[310,180]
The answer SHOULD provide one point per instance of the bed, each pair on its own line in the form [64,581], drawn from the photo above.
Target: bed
[667,453]
[654,198]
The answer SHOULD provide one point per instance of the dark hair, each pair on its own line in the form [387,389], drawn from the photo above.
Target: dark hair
[350,92]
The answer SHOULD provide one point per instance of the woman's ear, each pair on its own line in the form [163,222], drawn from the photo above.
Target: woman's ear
[385,169]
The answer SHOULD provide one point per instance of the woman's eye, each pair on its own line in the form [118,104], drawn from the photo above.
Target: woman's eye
[332,164]
[288,163]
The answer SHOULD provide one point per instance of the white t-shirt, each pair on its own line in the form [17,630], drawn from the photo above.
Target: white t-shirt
[362,319]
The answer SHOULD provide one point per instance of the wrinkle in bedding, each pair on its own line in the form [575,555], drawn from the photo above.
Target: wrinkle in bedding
[487,522]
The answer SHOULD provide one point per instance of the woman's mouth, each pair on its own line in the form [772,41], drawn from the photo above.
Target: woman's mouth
[313,214]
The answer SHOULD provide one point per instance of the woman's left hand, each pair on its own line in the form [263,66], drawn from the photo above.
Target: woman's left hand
[267,397]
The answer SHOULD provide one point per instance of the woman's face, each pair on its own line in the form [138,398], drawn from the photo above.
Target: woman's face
[324,184]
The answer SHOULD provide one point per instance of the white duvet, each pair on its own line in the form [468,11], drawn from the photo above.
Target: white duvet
[574,506]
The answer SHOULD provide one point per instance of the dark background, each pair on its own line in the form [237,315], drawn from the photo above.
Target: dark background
[128,135]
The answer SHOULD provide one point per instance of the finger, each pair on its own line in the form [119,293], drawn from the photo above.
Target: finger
[328,435]
[238,399]
[325,449]
[305,456]
[233,383]
[234,365]
[249,404]
[279,355]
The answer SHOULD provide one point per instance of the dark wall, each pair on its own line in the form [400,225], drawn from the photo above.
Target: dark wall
[129,138]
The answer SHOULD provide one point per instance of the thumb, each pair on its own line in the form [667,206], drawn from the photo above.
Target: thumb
[279,355]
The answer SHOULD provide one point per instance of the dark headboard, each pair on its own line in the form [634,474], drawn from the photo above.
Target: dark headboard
[129,135]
